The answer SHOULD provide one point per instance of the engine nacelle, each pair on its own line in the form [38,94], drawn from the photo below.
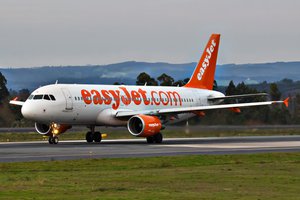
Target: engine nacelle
[51,129]
[144,125]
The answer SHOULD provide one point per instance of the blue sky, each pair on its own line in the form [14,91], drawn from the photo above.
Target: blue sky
[75,32]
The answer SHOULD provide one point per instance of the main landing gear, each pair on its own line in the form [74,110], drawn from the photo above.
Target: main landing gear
[93,136]
[158,138]
[53,140]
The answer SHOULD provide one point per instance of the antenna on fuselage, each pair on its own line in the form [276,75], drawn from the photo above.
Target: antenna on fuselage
[56,82]
[145,84]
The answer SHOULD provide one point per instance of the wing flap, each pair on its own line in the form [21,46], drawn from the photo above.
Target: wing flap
[214,107]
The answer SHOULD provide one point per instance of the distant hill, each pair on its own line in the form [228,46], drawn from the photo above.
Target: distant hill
[126,72]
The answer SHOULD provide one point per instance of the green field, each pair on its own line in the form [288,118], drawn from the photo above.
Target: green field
[254,176]
[181,132]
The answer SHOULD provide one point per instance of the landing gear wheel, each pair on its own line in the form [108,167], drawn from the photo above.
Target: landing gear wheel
[97,137]
[50,140]
[89,137]
[53,140]
[150,140]
[158,138]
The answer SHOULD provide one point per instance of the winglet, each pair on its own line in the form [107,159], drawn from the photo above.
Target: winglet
[15,99]
[286,102]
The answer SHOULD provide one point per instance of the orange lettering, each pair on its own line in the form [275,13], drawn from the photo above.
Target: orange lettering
[107,98]
[86,96]
[143,93]
[116,96]
[164,102]
[153,98]
[97,97]
[126,100]
[136,97]
[175,96]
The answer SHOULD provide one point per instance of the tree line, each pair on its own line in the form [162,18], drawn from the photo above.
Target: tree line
[10,116]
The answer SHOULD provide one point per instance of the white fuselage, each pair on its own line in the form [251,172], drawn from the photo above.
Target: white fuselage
[80,104]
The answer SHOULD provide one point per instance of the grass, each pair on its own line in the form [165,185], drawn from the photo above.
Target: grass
[124,134]
[254,176]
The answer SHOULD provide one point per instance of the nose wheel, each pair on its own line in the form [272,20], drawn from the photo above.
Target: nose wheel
[53,140]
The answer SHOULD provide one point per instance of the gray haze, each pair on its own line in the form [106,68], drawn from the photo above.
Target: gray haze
[74,32]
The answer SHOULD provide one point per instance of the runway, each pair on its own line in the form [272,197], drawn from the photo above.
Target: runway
[66,150]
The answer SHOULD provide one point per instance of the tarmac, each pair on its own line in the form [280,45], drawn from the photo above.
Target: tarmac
[123,148]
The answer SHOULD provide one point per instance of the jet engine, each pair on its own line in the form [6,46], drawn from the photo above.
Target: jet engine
[51,129]
[144,125]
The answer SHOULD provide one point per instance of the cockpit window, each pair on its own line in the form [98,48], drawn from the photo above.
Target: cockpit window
[52,97]
[39,96]
[46,97]
[42,96]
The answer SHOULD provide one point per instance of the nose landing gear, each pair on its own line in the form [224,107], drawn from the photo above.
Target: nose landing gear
[53,140]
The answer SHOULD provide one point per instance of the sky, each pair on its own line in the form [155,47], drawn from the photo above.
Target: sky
[75,32]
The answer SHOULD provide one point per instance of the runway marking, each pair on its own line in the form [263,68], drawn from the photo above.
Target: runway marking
[239,145]
[166,139]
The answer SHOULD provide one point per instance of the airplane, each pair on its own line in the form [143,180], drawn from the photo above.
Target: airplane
[145,110]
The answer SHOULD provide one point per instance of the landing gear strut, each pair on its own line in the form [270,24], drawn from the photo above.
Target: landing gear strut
[93,136]
[158,138]
[53,140]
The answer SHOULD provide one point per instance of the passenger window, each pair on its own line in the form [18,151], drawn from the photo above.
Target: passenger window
[40,96]
[46,97]
[52,97]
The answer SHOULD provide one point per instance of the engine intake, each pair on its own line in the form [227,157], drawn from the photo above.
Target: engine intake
[50,129]
[144,125]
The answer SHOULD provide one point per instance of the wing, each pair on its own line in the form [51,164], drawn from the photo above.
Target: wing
[197,108]
[18,103]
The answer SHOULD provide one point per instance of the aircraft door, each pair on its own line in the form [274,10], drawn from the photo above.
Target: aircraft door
[199,100]
[68,97]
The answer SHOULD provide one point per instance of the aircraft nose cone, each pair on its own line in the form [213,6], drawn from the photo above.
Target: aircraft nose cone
[26,111]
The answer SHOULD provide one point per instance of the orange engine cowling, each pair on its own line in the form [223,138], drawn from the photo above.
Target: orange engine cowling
[144,125]
[51,129]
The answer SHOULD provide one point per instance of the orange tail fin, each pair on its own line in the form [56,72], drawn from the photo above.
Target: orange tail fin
[204,73]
